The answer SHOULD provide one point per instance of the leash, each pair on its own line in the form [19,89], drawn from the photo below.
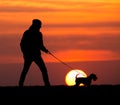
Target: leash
[61,61]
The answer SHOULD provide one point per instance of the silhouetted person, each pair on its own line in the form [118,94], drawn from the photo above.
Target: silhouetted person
[31,46]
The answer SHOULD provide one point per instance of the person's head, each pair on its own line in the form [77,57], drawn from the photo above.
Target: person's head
[36,24]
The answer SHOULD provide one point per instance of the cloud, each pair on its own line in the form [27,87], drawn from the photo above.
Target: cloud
[84,42]
[93,24]
[115,24]
[27,9]
[57,6]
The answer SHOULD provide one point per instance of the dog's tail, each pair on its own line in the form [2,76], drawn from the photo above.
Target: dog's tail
[76,76]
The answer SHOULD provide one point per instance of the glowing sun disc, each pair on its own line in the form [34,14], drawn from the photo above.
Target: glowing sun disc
[70,77]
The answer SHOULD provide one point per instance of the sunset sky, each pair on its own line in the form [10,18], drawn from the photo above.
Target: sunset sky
[74,31]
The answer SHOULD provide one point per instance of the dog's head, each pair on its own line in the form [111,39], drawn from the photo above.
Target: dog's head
[93,76]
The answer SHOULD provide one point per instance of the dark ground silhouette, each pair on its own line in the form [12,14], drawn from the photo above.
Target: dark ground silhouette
[95,94]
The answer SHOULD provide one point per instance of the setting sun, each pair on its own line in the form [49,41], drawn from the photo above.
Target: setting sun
[70,77]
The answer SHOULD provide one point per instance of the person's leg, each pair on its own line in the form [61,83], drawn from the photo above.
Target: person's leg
[27,63]
[39,61]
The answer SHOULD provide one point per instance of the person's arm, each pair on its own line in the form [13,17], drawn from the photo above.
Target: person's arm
[43,48]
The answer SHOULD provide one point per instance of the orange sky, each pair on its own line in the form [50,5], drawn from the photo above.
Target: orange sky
[82,30]
[74,30]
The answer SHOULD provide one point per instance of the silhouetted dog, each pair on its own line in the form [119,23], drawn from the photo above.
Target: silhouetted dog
[85,80]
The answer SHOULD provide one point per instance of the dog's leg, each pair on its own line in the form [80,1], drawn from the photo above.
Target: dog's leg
[76,84]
